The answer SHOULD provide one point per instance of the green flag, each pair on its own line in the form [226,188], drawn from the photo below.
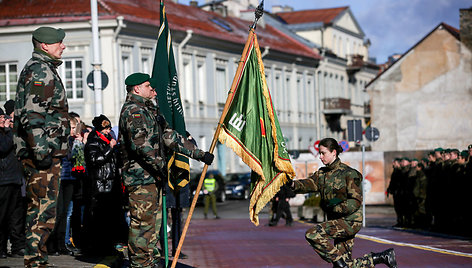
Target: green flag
[168,96]
[251,129]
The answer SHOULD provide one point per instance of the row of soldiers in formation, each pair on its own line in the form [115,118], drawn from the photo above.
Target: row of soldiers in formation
[432,193]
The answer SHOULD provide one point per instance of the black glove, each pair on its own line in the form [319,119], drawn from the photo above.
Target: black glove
[44,164]
[207,158]
[161,121]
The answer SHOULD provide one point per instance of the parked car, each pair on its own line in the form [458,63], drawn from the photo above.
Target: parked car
[220,192]
[238,185]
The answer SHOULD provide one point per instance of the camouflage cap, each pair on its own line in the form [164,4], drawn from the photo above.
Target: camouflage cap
[136,79]
[49,35]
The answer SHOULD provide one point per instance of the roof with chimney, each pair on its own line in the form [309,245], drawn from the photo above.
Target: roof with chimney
[180,17]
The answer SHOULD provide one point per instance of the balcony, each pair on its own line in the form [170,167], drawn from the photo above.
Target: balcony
[336,106]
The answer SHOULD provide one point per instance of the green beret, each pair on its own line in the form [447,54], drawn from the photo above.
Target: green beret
[153,81]
[397,159]
[447,151]
[414,159]
[406,158]
[424,159]
[439,149]
[455,151]
[464,153]
[49,35]
[136,79]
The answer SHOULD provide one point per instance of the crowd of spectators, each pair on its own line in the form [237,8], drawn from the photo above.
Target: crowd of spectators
[91,201]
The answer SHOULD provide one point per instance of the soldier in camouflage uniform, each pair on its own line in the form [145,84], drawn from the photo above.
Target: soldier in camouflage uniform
[341,199]
[145,138]
[41,128]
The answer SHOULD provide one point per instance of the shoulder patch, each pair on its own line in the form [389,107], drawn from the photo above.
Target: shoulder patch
[136,115]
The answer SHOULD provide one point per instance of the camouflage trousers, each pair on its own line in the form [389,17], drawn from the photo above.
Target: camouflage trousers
[146,215]
[342,233]
[42,189]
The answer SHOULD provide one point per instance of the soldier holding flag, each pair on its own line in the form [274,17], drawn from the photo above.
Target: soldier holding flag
[145,138]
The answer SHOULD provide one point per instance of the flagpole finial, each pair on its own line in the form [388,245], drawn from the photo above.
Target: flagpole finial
[258,14]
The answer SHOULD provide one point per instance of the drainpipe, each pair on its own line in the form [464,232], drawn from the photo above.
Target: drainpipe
[266,51]
[179,51]
[323,63]
[119,27]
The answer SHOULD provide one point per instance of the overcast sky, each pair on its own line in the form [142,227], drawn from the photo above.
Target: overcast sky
[393,26]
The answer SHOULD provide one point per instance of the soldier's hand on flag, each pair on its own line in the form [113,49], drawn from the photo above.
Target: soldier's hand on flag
[207,158]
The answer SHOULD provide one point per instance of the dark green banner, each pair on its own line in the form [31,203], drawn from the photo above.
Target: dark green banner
[168,95]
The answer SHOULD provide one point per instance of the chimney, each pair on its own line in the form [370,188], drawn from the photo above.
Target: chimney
[279,8]
[193,3]
[288,9]
[466,27]
[276,9]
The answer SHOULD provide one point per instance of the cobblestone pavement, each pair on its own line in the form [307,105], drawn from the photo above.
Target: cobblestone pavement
[235,242]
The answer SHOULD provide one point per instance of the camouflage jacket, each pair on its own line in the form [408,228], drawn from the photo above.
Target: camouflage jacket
[145,140]
[340,188]
[41,123]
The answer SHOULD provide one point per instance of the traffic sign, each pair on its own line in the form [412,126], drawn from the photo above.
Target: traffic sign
[372,134]
[317,145]
[104,80]
[344,145]
[354,130]
[312,150]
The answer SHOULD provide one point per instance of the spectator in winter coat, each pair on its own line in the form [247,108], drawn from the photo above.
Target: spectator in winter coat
[12,212]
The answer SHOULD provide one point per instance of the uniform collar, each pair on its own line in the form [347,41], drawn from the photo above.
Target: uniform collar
[140,100]
[40,54]
[334,165]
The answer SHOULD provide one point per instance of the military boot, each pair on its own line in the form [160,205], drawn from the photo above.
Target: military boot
[340,264]
[386,257]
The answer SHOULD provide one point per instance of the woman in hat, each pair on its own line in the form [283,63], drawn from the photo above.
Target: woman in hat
[104,221]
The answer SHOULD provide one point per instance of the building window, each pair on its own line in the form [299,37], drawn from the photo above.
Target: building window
[221,85]
[8,77]
[72,74]
[145,65]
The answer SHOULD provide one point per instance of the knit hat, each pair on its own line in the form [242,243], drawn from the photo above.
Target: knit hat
[101,122]
[9,106]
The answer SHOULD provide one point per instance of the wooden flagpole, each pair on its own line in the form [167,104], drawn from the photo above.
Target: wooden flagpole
[242,63]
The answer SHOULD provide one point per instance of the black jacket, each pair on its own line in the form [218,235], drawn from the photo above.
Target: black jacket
[11,171]
[100,158]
